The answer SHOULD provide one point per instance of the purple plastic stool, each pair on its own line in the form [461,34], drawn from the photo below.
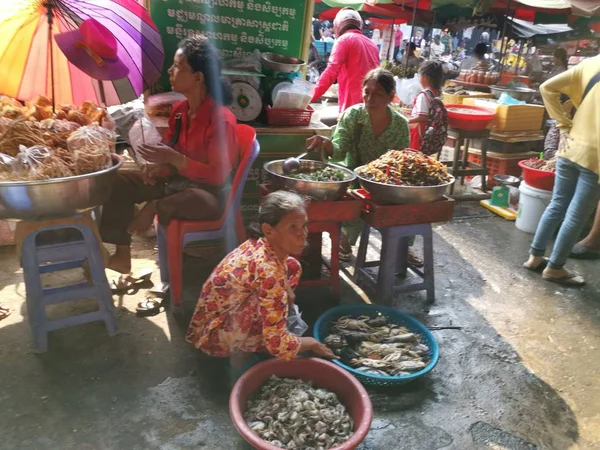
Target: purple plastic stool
[394,261]
[40,259]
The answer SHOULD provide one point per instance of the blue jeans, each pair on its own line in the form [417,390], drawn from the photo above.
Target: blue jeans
[576,193]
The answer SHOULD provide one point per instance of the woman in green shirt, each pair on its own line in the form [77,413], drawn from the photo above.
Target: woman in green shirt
[364,133]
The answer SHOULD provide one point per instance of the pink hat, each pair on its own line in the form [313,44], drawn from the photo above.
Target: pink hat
[93,49]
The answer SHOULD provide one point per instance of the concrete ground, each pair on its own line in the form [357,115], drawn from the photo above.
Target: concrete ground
[519,370]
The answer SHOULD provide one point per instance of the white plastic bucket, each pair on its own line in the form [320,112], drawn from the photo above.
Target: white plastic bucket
[532,203]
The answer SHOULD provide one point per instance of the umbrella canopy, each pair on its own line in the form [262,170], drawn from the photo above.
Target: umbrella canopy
[364,5]
[32,64]
[523,29]
[397,11]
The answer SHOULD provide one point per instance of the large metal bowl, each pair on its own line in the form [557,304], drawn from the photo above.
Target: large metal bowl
[56,198]
[281,63]
[389,194]
[316,190]
[520,93]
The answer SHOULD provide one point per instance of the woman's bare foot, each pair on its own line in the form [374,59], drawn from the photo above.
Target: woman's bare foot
[121,260]
[345,246]
[143,220]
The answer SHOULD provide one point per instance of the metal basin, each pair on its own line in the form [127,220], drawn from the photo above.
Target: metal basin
[56,198]
[316,190]
[520,93]
[281,63]
[402,195]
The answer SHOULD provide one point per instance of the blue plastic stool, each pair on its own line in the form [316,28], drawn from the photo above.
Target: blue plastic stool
[394,261]
[40,259]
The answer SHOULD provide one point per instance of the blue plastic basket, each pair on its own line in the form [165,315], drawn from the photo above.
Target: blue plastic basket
[323,325]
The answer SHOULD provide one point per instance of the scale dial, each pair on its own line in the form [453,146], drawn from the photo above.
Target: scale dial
[247,102]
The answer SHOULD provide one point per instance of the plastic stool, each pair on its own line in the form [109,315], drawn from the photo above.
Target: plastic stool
[39,259]
[394,261]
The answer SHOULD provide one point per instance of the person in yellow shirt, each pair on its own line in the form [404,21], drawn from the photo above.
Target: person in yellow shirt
[576,189]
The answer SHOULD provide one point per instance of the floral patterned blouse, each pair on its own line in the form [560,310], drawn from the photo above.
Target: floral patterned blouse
[353,141]
[244,304]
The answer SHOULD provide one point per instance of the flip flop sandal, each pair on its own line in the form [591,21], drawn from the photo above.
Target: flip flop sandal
[149,307]
[539,268]
[4,312]
[570,279]
[581,252]
[345,256]
[414,260]
[130,284]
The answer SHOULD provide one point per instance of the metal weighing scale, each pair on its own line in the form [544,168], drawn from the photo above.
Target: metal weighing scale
[501,203]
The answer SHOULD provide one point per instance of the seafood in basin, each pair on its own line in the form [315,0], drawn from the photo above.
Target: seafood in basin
[376,346]
[295,414]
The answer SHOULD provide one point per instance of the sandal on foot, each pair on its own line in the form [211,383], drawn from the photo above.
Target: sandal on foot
[414,260]
[570,279]
[149,307]
[345,256]
[539,268]
[581,252]
[129,284]
[4,312]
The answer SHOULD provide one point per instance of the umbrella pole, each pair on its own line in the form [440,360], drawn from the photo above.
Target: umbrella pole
[51,48]
[412,33]
[102,93]
[504,46]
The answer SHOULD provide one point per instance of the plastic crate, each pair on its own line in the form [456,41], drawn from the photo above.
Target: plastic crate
[500,164]
[289,117]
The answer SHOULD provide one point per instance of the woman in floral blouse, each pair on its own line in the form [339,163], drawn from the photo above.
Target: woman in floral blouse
[244,304]
[363,134]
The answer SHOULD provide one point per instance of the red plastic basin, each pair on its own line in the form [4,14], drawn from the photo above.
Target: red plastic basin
[539,179]
[478,119]
[324,374]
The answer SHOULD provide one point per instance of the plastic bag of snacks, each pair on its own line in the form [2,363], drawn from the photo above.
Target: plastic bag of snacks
[91,147]
[143,132]
[33,163]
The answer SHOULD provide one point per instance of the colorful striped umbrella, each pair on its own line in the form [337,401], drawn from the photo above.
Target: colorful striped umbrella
[31,63]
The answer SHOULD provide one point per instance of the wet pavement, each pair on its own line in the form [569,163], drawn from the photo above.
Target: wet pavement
[518,362]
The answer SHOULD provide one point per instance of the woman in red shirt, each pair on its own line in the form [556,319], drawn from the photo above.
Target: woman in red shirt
[189,177]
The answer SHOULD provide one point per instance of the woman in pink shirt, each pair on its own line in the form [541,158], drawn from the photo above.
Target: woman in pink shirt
[352,57]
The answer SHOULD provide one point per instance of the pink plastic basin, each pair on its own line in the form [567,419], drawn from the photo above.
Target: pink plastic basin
[324,374]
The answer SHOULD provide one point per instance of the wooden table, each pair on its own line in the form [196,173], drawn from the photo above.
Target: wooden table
[325,217]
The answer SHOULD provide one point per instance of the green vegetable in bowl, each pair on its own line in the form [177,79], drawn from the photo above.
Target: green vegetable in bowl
[326,174]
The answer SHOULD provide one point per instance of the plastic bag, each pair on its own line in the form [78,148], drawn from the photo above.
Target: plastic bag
[408,89]
[506,99]
[91,147]
[142,132]
[295,96]
[33,163]
[295,324]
